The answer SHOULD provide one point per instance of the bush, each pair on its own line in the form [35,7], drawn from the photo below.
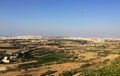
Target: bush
[69,73]
[27,75]
[66,73]
[49,72]
[85,65]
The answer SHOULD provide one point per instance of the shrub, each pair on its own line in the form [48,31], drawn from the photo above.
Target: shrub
[66,73]
[85,65]
[69,73]
[49,72]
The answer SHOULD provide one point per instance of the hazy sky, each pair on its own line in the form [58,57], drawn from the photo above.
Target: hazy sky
[86,18]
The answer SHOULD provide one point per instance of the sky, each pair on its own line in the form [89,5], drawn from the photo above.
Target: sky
[82,18]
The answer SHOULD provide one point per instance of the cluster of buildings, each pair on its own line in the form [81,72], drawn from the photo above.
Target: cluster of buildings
[8,58]
[93,39]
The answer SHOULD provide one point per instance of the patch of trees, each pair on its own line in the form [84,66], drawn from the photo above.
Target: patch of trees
[82,42]
[9,47]
[26,56]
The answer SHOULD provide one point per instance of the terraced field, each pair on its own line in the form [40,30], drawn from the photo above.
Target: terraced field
[67,58]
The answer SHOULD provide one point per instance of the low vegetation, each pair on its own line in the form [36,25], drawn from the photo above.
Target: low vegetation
[46,58]
[109,70]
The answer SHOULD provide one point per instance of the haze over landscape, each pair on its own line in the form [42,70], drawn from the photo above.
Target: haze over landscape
[83,18]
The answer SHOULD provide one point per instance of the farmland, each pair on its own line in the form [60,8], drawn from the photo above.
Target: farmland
[59,57]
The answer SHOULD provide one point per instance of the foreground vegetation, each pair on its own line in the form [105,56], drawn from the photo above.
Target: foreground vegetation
[110,70]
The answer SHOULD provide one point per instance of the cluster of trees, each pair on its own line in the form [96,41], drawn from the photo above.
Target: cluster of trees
[82,42]
[26,56]
[9,47]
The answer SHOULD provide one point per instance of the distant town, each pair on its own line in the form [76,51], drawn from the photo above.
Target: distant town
[73,38]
